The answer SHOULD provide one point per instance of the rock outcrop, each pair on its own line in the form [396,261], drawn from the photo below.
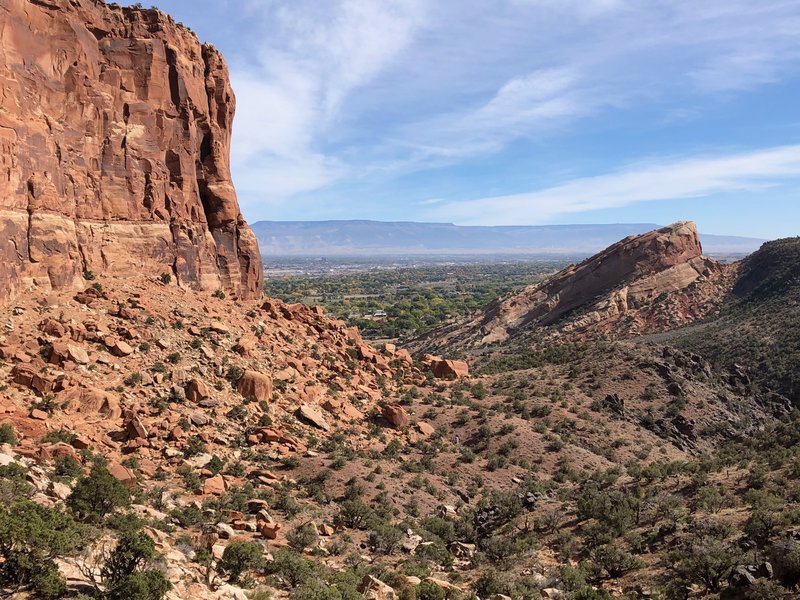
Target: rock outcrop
[641,284]
[115,127]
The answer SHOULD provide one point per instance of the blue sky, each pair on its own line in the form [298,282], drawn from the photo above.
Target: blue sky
[514,111]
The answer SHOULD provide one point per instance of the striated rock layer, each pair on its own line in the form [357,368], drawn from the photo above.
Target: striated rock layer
[642,284]
[115,127]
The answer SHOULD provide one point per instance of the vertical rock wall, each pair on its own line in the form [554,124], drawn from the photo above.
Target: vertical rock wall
[115,129]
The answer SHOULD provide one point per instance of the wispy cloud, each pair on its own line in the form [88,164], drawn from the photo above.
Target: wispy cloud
[291,94]
[667,180]
[524,105]
[367,94]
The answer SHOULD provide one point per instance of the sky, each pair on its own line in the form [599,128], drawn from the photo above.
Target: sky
[514,112]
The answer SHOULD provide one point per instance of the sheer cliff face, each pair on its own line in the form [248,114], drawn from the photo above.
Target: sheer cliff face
[115,129]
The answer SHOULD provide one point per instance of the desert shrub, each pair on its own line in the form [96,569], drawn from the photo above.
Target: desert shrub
[31,538]
[7,434]
[240,558]
[61,435]
[291,568]
[14,483]
[354,513]
[66,466]
[302,536]
[97,494]
[127,572]
[705,558]
[147,585]
[613,562]
[427,590]
[384,538]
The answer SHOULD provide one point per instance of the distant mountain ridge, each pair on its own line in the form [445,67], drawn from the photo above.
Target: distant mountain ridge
[360,237]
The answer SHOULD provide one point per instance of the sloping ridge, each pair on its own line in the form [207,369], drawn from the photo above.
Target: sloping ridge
[640,284]
[115,129]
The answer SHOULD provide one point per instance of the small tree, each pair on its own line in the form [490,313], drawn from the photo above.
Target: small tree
[147,585]
[134,550]
[97,494]
[31,538]
[7,435]
[302,536]
[706,560]
[611,561]
[427,590]
[294,569]
[239,558]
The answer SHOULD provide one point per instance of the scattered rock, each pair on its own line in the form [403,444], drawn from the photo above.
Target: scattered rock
[450,369]
[118,347]
[374,589]
[214,486]
[196,390]
[122,474]
[314,416]
[425,429]
[396,415]
[255,386]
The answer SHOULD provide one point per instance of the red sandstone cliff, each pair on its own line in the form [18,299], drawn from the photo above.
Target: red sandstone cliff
[115,127]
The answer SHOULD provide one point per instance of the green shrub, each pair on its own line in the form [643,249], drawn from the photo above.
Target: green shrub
[302,536]
[31,538]
[240,558]
[7,434]
[97,494]
[428,590]
[292,568]
[66,466]
[147,585]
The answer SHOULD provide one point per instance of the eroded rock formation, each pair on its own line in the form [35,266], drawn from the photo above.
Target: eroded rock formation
[641,284]
[115,127]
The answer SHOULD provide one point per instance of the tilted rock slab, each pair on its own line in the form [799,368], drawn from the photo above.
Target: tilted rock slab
[625,288]
[115,129]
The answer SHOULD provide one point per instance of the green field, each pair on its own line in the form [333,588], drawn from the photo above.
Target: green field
[413,298]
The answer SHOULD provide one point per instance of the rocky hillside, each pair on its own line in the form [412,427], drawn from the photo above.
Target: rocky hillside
[759,323]
[262,446]
[645,283]
[115,128]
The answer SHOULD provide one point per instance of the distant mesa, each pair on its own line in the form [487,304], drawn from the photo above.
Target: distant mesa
[378,238]
[115,128]
[642,284]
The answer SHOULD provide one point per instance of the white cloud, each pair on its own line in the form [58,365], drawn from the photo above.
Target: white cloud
[523,106]
[617,55]
[334,93]
[670,180]
[588,8]
[311,58]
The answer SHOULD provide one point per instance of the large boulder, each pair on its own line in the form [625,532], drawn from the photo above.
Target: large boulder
[196,390]
[374,589]
[255,386]
[396,415]
[313,415]
[450,369]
